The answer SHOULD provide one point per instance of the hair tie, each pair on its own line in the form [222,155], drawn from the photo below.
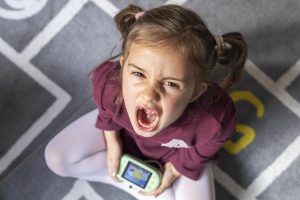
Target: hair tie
[139,14]
[220,42]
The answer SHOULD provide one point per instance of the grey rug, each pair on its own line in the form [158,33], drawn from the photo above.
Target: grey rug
[48,47]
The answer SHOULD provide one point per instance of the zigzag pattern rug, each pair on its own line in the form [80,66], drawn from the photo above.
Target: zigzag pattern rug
[48,47]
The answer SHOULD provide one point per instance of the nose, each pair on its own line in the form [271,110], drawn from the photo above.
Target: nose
[150,94]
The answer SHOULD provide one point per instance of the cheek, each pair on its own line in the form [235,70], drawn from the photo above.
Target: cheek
[174,107]
[128,89]
[129,95]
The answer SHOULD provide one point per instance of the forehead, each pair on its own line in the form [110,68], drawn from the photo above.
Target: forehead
[164,57]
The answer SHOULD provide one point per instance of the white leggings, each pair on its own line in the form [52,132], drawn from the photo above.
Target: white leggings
[79,151]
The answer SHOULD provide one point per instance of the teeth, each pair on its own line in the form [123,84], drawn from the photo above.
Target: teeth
[147,126]
[148,118]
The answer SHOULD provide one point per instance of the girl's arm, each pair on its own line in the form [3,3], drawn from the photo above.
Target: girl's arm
[114,151]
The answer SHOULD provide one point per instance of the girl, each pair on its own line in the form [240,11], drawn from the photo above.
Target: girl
[156,103]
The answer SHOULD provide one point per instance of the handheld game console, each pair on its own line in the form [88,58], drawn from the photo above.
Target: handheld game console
[138,174]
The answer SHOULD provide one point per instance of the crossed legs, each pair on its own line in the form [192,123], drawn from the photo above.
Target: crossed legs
[79,151]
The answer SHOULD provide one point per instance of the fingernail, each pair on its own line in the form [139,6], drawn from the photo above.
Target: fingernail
[113,173]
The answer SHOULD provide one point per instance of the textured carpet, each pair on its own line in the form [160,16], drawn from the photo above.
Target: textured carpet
[48,47]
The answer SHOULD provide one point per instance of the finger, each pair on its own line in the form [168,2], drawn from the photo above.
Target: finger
[115,167]
[113,170]
[112,165]
[115,178]
[167,180]
[113,175]
[155,193]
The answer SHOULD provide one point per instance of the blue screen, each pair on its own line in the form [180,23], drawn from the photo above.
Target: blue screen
[136,175]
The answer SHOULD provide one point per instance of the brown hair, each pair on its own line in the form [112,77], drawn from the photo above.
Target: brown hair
[180,28]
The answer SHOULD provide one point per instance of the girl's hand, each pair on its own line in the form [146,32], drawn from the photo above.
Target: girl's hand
[114,152]
[169,176]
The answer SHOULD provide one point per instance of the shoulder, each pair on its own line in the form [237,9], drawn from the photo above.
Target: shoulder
[104,70]
[213,114]
[217,102]
[105,83]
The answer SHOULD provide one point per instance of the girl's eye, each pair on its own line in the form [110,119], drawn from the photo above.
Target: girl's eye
[138,74]
[172,84]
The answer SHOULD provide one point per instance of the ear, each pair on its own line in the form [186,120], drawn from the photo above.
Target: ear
[198,91]
[122,60]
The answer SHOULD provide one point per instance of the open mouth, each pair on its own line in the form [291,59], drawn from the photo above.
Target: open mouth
[146,119]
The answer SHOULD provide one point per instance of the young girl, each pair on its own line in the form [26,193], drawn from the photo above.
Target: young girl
[156,103]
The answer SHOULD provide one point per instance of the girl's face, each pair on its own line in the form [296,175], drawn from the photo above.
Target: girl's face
[157,85]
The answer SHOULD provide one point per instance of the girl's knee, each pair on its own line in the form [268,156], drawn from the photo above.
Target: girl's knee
[55,160]
[186,188]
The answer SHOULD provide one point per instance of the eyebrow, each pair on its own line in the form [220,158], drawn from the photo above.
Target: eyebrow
[137,67]
[167,78]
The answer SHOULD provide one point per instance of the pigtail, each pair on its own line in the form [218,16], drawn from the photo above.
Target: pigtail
[126,18]
[232,54]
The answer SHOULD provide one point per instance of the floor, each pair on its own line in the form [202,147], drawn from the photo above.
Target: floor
[47,49]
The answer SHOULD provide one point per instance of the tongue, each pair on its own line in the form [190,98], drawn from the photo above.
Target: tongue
[147,119]
[148,116]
